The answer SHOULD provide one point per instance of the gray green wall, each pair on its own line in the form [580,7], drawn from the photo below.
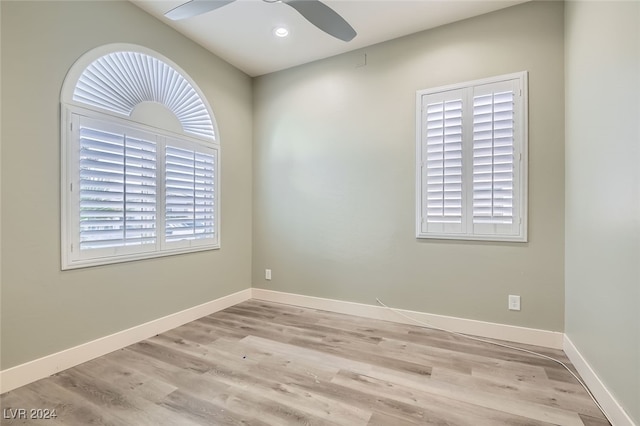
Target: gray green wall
[603,192]
[334,175]
[45,310]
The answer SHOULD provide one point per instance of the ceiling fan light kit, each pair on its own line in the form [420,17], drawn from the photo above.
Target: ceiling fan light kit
[314,11]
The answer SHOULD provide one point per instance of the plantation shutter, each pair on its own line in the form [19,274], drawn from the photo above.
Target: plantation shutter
[471,149]
[442,162]
[494,158]
[117,188]
[189,194]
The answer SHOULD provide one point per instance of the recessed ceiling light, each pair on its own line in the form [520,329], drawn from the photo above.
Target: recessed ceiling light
[281,32]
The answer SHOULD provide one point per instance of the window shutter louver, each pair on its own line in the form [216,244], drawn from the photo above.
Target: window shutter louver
[101,189]
[140,193]
[117,189]
[204,195]
[444,161]
[190,195]
[493,158]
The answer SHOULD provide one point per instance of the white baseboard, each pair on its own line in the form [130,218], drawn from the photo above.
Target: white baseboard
[531,336]
[29,372]
[615,412]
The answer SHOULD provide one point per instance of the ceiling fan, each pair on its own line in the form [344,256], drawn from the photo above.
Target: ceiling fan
[314,11]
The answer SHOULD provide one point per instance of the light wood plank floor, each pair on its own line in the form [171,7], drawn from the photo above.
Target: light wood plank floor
[261,363]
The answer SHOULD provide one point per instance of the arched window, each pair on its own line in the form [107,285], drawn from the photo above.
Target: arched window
[140,160]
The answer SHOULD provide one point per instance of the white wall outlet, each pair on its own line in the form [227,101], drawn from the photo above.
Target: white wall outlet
[514,303]
[267,274]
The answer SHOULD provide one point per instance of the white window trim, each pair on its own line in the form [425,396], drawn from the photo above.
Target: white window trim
[70,172]
[521,152]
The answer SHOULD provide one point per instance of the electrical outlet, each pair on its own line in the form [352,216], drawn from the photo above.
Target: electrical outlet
[514,302]
[267,274]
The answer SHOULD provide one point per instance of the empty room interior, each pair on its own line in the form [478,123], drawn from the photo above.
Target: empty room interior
[329,269]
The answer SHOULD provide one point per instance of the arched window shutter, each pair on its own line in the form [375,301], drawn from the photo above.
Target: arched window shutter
[119,81]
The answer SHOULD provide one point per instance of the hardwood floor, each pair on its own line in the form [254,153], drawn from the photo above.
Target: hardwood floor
[261,363]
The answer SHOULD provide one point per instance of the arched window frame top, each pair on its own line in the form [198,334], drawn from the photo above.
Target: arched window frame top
[116,78]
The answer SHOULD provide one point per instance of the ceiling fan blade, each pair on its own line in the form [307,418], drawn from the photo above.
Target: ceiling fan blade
[323,17]
[195,7]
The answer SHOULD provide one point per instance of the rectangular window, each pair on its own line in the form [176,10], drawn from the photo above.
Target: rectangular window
[132,192]
[471,160]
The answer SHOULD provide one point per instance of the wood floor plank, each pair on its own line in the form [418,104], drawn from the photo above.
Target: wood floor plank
[521,390]
[245,375]
[204,412]
[125,377]
[263,363]
[114,400]
[44,394]
[437,409]
[194,331]
[185,380]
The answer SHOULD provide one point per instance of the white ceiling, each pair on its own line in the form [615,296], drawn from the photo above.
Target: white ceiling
[242,32]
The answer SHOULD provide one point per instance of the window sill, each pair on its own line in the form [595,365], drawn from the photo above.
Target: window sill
[87,263]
